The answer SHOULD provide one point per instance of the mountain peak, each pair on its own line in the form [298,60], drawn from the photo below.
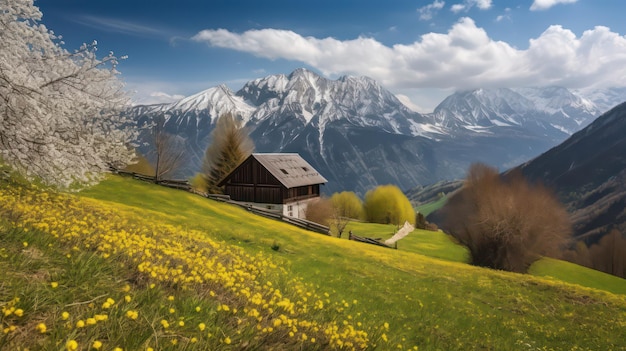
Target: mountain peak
[302,72]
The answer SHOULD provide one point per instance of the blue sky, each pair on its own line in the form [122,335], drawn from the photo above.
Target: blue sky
[423,50]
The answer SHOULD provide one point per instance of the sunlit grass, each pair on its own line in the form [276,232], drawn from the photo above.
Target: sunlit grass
[426,209]
[401,298]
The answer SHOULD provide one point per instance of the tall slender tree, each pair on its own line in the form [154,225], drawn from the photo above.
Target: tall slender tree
[59,110]
[230,145]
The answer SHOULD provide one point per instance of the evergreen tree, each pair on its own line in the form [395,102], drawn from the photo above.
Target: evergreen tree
[230,145]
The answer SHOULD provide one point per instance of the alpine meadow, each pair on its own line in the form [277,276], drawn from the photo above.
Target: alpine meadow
[286,176]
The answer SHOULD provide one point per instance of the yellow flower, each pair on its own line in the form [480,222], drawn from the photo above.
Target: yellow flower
[174,341]
[165,323]
[80,324]
[65,316]
[193,340]
[71,345]
[25,244]
[91,321]
[227,341]
[96,345]
[41,328]
[132,314]
[54,285]
[198,309]
[170,298]
[201,326]
[19,312]
[149,349]
[118,349]
[127,298]
[172,310]
[181,323]
[101,317]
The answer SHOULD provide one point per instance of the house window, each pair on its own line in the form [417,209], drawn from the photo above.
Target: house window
[284,171]
[289,208]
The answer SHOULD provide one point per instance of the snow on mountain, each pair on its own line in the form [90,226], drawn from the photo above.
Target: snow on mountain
[550,110]
[317,100]
[214,102]
[604,98]
[481,108]
[360,135]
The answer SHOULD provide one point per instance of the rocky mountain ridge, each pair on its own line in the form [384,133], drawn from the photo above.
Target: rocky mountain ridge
[360,135]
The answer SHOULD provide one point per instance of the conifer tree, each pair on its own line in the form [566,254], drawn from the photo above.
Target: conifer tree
[230,145]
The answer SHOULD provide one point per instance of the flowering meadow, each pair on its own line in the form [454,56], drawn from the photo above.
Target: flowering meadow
[134,266]
[177,290]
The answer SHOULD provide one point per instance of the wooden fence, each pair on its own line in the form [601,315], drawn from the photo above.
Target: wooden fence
[378,242]
[184,185]
[302,223]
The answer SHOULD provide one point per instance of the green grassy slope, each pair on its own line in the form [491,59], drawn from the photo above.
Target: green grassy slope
[428,303]
[431,303]
[431,207]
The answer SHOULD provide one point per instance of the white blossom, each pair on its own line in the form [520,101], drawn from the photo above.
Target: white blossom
[59,110]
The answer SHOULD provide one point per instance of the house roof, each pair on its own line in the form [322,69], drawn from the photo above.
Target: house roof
[291,170]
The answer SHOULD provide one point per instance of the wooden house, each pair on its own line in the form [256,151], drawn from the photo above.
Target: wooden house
[284,183]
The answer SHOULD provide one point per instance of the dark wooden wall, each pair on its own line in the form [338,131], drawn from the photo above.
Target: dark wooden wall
[252,182]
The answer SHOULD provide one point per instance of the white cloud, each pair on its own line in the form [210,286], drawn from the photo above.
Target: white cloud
[146,92]
[457,8]
[468,4]
[463,58]
[427,12]
[546,4]
[406,101]
[506,15]
[119,26]
[154,97]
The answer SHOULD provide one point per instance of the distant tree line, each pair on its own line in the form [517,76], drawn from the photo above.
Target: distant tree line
[607,255]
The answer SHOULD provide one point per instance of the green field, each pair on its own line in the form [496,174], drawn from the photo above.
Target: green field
[431,207]
[420,296]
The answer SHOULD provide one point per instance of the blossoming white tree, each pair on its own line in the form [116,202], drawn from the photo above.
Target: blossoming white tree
[59,110]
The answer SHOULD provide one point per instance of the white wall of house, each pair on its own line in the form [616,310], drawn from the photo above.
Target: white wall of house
[296,209]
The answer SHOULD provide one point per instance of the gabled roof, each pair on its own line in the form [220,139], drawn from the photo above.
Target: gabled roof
[291,170]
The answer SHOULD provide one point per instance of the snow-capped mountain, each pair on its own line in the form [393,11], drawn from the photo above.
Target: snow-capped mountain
[360,135]
[553,112]
[604,98]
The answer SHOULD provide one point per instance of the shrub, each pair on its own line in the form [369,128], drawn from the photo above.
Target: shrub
[505,223]
[320,211]
[347,204]
[387,204]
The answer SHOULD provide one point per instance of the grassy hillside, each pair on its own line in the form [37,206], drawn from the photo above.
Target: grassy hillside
[431,207]
[283,288]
